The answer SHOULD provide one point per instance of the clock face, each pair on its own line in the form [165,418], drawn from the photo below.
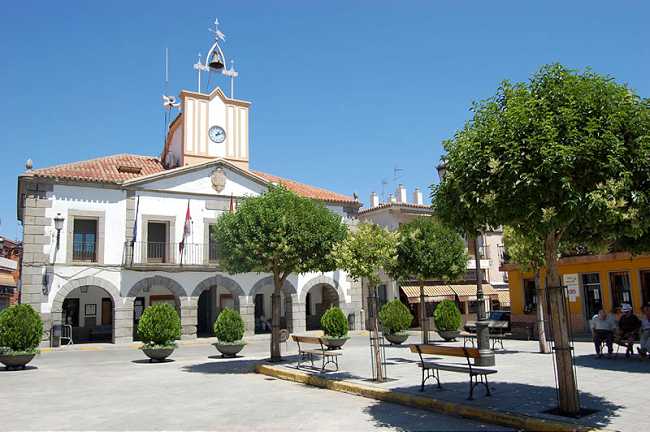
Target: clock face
[217,134]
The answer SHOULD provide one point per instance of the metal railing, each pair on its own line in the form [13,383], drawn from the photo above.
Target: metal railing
[172,254]
[84,251]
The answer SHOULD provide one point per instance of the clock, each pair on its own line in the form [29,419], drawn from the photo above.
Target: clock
[217,134]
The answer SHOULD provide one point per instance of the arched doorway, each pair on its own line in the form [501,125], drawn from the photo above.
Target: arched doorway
[90,311]
[215,294]
[318,299]
[261,293]
[154,290]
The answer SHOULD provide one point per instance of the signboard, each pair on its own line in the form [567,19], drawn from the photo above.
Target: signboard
[572,286]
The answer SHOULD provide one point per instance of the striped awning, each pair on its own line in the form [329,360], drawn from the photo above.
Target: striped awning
[436,293]
[504,298]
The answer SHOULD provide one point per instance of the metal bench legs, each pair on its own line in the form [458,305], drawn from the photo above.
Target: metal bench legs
[429,374]
[476,379]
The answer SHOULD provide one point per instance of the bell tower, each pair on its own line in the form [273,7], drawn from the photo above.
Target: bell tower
[211,125]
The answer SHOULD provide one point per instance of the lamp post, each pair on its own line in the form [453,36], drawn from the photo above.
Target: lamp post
[58,225]
[482,330]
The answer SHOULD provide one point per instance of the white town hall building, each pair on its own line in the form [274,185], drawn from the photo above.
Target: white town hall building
[101,237]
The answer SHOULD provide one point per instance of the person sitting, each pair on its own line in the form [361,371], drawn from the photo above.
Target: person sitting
[628,328]
[602,330]
[644,349]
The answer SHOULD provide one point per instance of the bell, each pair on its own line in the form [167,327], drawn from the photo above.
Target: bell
[216,62]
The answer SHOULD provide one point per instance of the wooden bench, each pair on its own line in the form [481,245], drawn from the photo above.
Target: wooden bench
[328,356]
[495,338]
[431,369]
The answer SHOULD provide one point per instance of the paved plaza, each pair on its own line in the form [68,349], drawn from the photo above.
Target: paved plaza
[108,387]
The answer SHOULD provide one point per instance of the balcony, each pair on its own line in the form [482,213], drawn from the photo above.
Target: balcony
[151,255]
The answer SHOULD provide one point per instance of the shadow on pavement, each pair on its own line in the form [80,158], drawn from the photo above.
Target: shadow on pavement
[619,364]
[224,366]
[149,361]
[516,397]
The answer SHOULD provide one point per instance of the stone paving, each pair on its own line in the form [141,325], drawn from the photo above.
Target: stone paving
[525,382]
[109,387]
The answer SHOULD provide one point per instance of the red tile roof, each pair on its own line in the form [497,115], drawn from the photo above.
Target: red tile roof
[122,167]
[407,206]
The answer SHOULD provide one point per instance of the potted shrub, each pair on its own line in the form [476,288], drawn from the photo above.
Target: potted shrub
[159,327]
[229,330]
[335,326]
[395,319]
[447,319]
[21,330]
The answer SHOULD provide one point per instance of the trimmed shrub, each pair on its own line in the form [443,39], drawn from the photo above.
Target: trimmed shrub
[229,326]
[395,317]
[21,330]
[159,326]
[447,316]
[334,323]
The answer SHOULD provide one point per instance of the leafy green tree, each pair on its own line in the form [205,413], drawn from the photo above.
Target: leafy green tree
[334,323]
[364,254]
[528,253]
[278,233]
[565,153]
[395,317]
[428,250]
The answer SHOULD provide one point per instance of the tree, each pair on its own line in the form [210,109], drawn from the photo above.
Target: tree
[278,233]
[564,150]
[528,253]
[428,250]
[364,254]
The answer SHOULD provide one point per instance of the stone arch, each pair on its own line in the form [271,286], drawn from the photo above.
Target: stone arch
[288,287]
[166,282]
[318,280]
[62,293]
[218,280]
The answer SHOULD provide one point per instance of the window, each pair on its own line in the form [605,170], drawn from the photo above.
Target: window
[645,287]
[382,296]
[591,289]
[84,240]
[619,283]
[530,296]
[157,242]
[212,243]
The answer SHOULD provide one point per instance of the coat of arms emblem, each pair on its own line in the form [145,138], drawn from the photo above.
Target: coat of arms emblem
[218,178]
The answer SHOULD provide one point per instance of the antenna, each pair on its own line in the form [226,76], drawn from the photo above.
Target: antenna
[384,183]
[397,173]
[169,102]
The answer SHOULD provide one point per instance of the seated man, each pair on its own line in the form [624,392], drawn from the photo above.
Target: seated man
[602,329]
[628,328]
[645,332]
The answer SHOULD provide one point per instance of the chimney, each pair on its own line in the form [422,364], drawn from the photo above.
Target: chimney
[374,199]
[401,194]
[417,196]
[391,198]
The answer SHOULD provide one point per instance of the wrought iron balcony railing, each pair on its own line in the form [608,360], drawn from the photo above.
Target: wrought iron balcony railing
[138,254]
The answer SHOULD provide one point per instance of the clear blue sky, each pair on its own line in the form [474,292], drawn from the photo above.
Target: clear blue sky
[342,91]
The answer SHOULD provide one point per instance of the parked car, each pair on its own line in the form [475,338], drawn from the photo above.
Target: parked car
[497,321]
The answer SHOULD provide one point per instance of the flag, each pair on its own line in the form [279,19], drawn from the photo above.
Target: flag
[187,229]
[233,206]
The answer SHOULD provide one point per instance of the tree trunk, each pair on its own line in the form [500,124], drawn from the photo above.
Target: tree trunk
[424,321]
[374,332]
[541,306]
[568,391]
[276,355]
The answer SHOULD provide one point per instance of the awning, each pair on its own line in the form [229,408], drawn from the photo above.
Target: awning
[504,298]
[6,279]
[436,293]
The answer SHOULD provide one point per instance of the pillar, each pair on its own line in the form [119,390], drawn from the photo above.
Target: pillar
[123,322]
[247,313]
[298,322]
[189,317]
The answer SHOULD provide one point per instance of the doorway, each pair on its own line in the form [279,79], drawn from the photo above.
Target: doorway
[157,242]
[645,287]
[592,294]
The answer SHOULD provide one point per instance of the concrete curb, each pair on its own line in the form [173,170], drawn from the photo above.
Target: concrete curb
[502,418]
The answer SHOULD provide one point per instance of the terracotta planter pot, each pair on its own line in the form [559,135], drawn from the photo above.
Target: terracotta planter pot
[334,343]
[18,361]
[230,349]
[157,354]
[396,338]
[449,335]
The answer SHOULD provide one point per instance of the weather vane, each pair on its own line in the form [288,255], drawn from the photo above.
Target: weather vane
[215,61]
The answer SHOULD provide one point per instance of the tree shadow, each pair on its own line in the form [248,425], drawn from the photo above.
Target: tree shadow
[620,364]
[234,366]
[526,399]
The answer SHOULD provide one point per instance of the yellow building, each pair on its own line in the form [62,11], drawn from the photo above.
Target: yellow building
[592,281]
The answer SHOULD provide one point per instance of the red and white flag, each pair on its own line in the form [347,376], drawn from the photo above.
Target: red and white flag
[187,229]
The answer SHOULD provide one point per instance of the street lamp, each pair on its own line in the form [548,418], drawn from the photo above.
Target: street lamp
[58,226]
[482,330]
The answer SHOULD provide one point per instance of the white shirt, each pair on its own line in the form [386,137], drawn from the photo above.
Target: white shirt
[599,324]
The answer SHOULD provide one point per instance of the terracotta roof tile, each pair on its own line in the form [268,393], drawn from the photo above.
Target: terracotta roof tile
[306,190]
[108,169]
[122,167]
[396,205]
